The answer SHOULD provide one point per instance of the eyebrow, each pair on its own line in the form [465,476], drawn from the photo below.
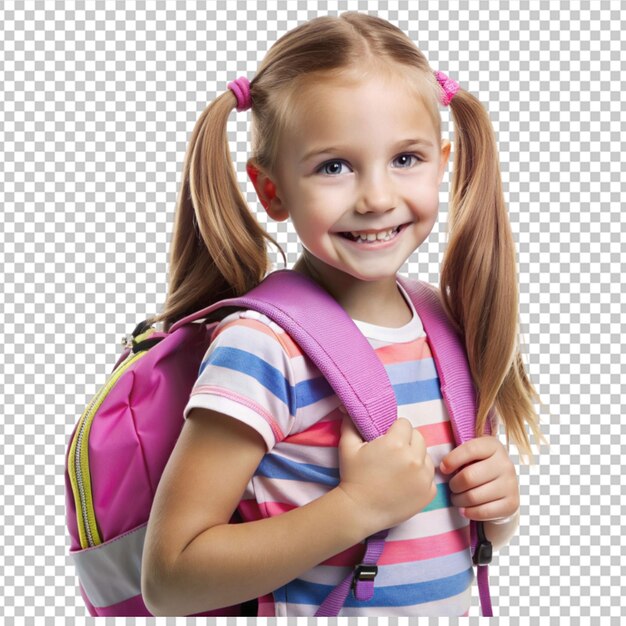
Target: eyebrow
[399,145]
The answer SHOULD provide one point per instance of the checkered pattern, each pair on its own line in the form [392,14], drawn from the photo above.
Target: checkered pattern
[98,103]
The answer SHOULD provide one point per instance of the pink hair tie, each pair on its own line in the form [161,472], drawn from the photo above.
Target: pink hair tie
[449,86]
[241,89]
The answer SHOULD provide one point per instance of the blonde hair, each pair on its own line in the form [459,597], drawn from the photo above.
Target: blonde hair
[219,249]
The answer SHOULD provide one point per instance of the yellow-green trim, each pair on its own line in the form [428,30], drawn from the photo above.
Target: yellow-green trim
[71,467]
[84,426]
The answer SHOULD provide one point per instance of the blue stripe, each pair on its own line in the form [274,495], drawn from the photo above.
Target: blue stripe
[246,363]
[275,466]
[303,592]
[417,391]
[312,390]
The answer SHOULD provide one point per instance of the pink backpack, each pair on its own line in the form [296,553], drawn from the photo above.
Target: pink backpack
[121,443]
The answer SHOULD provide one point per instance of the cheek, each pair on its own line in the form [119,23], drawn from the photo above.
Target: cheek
[309,224]
[426,201]
[313,213]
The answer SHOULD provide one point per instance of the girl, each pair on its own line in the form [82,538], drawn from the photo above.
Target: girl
[347,144]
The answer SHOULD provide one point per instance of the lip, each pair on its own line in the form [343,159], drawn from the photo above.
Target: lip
[379,245]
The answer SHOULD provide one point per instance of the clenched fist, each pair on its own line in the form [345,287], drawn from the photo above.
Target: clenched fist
[389,479]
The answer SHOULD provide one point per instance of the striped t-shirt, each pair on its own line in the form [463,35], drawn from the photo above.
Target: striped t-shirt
[254,372]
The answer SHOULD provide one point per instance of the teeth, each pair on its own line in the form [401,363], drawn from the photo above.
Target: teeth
[382,236]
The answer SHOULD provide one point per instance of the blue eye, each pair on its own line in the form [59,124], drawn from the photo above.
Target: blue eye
[414,156]
[322,168]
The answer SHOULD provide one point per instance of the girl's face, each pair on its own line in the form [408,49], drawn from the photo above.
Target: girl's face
[363,159]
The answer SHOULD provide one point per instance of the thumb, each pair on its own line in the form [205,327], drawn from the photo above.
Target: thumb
[350,436]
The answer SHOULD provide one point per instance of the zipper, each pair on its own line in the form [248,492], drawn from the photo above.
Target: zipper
[79,458]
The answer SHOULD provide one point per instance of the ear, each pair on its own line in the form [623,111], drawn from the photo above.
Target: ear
[445,156]
[266,191]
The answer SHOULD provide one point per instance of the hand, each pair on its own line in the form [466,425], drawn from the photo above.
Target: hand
[390,478]
[486,486]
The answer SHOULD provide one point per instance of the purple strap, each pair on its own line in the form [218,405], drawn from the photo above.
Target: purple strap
[482,576]
[363,589]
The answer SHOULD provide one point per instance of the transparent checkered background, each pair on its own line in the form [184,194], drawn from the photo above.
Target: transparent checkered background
[98,101]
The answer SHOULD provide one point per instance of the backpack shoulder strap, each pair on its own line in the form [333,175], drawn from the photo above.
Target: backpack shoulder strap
[329,337]
[459,393]
[457,386]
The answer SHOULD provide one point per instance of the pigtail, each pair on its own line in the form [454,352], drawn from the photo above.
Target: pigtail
[218,248]
[479,278]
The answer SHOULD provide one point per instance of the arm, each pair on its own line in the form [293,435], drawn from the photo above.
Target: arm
[194,560]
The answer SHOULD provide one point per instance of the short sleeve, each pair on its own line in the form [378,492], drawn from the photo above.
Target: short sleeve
[246,373]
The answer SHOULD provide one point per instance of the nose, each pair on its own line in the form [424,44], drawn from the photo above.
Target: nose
[376,193]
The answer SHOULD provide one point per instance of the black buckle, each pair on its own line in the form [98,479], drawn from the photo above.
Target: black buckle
[484,549]
[364,572]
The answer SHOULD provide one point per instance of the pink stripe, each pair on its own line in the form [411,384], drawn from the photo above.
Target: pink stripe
[412,351]
[425,547]
[327,433]
[257,408]
[277,508]
[266,606]
[409,550]
[437,434]
[321,434]
[250,510]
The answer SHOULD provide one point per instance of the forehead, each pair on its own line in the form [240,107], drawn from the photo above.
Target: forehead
[365,108]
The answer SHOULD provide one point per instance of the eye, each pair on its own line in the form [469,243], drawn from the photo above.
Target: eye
[322,169]
[408,156]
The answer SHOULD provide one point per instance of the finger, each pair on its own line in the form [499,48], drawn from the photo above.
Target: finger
[476,496]
[350,436]
[468,452]
[402,429]
[474,475]
[486,511]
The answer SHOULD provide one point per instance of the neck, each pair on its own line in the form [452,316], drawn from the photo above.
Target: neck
[376,302]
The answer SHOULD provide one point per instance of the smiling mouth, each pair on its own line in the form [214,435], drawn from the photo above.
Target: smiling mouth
[364,237]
